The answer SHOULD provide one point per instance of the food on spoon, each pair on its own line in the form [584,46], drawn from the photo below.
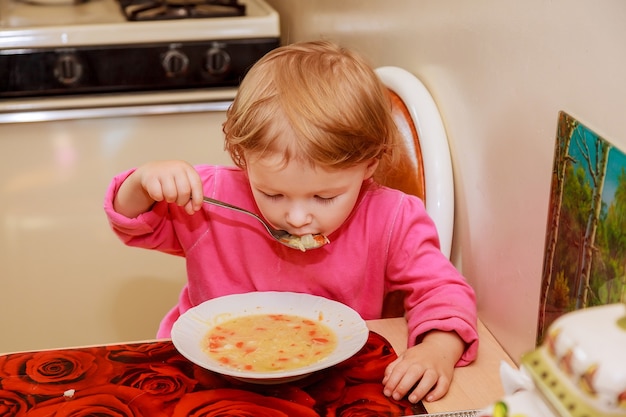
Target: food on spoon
[269,342]
[305,242]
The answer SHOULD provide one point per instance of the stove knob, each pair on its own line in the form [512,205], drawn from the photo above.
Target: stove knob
[175,63]
[217,61]
[68,69]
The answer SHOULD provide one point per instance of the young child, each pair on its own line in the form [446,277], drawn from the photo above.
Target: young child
[307,131]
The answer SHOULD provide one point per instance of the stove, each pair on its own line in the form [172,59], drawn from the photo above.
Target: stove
[180,9]
[57,49]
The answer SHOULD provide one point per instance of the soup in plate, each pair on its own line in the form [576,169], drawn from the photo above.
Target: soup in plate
[269,342]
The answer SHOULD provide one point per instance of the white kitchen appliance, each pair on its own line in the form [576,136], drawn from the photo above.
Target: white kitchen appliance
[87,90]
[113,46]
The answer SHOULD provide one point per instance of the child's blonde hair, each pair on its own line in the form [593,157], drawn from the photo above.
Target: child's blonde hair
[315,102]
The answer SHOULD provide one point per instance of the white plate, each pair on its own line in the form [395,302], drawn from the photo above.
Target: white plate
[191,328]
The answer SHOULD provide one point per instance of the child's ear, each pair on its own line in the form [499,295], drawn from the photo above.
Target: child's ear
[371,168]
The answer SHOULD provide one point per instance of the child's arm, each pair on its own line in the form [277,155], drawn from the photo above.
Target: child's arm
[427,368]
[171,181]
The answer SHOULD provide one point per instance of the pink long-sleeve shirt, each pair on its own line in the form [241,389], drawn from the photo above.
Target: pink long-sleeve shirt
[387,243]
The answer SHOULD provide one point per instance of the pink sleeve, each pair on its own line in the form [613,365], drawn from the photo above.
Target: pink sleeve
[438,296]
[150,229]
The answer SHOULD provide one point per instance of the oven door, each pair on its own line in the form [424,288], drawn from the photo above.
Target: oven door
[66,278]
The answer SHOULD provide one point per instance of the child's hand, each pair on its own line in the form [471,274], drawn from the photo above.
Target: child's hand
[427,368]
[171,181]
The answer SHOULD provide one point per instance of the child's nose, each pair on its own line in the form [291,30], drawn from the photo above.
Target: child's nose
[298,216]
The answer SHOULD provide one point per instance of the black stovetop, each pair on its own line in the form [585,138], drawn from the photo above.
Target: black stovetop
[142,10]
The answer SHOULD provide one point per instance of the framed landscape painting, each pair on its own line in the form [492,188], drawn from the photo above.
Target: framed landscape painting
[585,249]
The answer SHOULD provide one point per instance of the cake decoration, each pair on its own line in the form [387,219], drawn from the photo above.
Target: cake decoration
[578,371]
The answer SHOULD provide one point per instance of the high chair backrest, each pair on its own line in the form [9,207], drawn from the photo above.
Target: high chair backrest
[426,168]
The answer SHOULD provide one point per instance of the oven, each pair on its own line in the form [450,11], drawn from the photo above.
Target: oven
[88,89]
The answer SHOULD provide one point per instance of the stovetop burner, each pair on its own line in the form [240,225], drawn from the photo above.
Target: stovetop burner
[142,10]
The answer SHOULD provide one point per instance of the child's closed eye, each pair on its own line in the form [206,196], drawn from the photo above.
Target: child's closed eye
[325,200]
[273,196]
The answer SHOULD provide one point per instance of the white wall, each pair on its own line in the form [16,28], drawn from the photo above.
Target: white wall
[500,72]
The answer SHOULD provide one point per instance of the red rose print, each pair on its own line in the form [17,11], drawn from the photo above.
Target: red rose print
[103,401]
[207,379]
[141,352]
[327,389]
[13,405]
[164,381]
[238,403]
[154,380]
[285,392]
[52,372]
[369,364]
[367,400]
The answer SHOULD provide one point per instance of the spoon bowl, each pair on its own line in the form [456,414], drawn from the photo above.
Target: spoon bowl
[302,243]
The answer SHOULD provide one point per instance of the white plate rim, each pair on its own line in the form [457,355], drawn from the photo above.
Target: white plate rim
[190,328]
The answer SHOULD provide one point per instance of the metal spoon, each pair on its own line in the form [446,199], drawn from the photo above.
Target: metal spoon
[282,236]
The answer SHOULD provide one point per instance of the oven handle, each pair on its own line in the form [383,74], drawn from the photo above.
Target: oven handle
[45,109]
[45,115]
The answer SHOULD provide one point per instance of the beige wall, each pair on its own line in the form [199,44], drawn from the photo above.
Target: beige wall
[500,72]
[65,278]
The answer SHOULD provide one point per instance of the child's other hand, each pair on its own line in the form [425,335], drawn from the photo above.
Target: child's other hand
[426,368]
[172,181]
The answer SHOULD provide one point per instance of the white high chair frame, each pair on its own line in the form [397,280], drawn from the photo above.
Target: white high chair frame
[437,164]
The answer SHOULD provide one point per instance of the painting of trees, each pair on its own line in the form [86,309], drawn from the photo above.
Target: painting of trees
[585,252]
[566,127]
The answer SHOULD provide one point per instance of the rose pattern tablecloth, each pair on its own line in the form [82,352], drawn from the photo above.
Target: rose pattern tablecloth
[151,379]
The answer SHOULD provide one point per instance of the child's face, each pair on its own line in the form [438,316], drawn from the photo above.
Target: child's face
[301,199]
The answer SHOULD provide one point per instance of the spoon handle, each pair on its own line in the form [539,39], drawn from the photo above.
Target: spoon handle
[281,236]
[229,206]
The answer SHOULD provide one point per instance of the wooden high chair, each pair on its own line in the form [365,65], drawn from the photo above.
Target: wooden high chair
[426,168]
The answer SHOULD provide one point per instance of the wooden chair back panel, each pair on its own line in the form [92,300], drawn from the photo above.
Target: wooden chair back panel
[409,178]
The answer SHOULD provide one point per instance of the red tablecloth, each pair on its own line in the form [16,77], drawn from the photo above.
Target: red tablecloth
[151,379]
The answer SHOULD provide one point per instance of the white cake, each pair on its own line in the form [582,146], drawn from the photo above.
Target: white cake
[578,371]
